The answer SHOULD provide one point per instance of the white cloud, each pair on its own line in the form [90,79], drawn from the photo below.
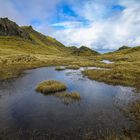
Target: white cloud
[24,11]
[110,33]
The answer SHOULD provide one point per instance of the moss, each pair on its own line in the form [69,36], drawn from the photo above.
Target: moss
[50,86]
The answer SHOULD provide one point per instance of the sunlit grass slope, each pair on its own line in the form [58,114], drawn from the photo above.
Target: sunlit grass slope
[49,43]
[128,55]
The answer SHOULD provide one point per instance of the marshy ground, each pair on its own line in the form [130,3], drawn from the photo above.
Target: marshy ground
[91,108]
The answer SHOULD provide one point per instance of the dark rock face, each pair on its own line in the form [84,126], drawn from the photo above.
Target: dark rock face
[10,28]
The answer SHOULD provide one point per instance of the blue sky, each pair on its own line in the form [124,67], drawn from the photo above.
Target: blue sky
[103,25]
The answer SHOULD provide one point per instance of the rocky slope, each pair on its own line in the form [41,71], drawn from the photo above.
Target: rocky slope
[10,28]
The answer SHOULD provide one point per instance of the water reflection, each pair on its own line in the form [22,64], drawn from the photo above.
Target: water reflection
[69,101]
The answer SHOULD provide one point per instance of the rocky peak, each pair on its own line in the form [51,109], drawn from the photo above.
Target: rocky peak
[10,28]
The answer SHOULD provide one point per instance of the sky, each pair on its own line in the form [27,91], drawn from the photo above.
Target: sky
[102,25]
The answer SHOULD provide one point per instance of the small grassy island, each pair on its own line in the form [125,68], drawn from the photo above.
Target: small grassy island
[76,67]
[56,88]
[50,86]
[60,68]
[72,95]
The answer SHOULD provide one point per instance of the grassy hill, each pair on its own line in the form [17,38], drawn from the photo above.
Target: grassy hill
[123,48]
[47,42]
[26,39]
[125,54]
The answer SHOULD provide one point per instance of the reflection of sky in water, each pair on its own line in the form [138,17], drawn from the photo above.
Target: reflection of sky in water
[22,107]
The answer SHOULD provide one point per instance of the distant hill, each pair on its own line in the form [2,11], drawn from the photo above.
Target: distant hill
[127,50]
[123,48]
[125,53]
[83,51]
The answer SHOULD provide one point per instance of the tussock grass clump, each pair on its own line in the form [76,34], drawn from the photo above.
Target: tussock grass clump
[50,86]
[73,67]
[21,59]
[72,95]
[60,68]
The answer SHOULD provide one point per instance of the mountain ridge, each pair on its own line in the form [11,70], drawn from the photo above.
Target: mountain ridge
[83,51]
[10,31]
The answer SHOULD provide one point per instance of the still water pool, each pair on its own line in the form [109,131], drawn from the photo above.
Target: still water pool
[25,113]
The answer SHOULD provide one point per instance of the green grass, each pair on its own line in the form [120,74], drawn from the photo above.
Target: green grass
[50,86]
